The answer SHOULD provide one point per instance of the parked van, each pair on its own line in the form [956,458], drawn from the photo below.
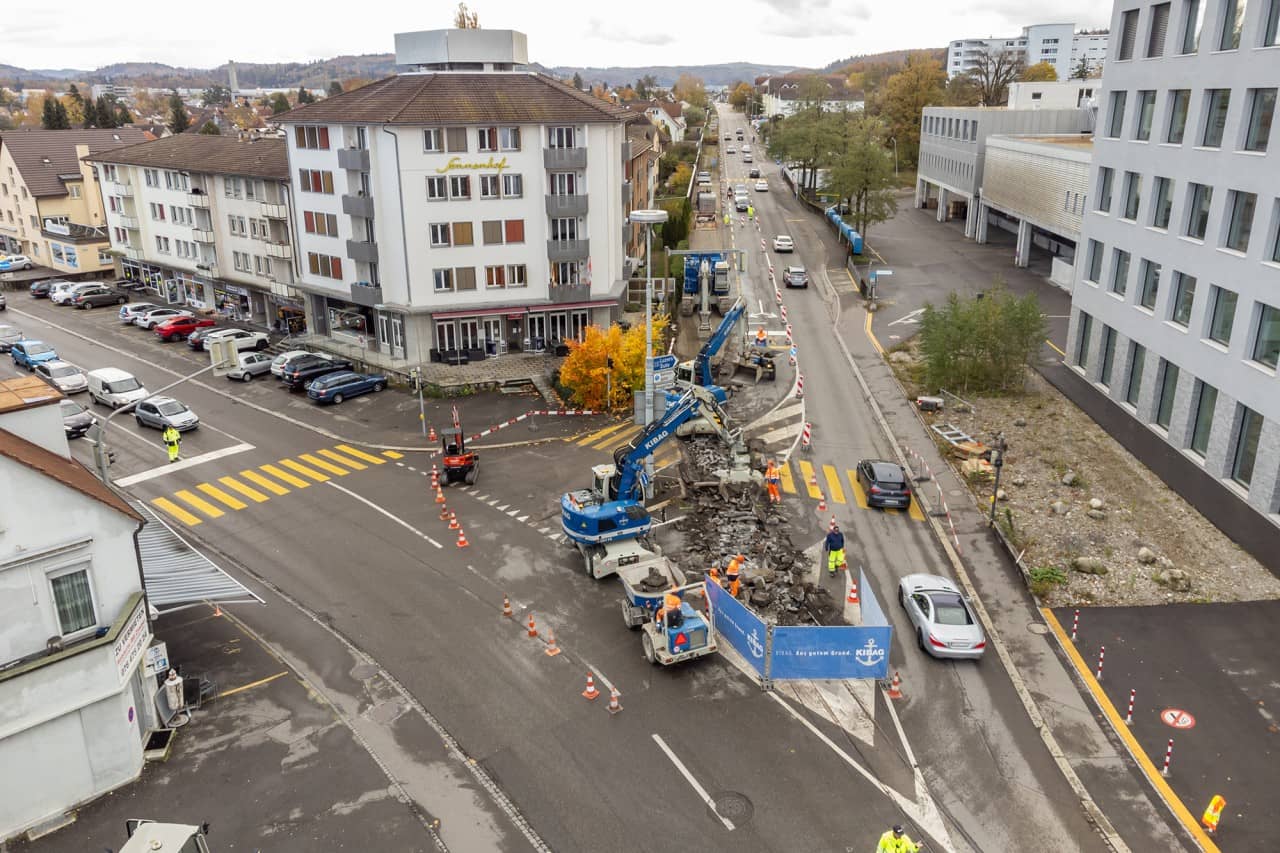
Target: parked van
[114,387]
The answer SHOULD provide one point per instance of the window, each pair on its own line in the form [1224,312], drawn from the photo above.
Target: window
[325,266]
[440,235]
[490,186]
[564,229]
[1179,102]
[1128,33]
[488,137]
[1162,205]
[1159,28]
[1206,402]
[73,190]
[234,187]
[1198,217]
[1184,297]
[462,234]
[157,212]
[512,186]
[561,137]
[1093,272]
[1192,25]
[564,183]
[311,137]
[495,277]
[1271,27]
[1115,120]
[509,138]
[1215,122]
[241,261]
[1120,272]
[1106,177]
[1240,224]
[464,278]
[443,280]
[324,224]
[517,275]
[1150,284]
[162,245]
[1246,446]
[1266,347]
[73,601]
[1232,20]
[432,139]
[1083,332]
[514,230]
[151,177]
[1223,316]
[313,181]
[1108,354]
[566,273]
[1168,389]
[1132,195]
[237,226]
[459,186]
[437,188]
[1137,360]
[1262,109]
[1146,109]
[497,231]
[261,265]
[455,139]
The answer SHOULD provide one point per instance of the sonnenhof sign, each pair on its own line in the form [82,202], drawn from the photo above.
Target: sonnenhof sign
[456,163]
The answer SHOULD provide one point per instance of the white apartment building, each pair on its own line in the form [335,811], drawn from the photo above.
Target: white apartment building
[1176,301]
[1058,44]
[204,221]
[75,700]
[463,209]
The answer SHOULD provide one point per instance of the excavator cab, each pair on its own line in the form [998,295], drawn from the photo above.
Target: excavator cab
[459,464]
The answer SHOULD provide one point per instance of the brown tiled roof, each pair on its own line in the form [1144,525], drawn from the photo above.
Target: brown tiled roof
[31,149]
[214,155]
[68,472]
[640,133]
[23,392]
[456,99]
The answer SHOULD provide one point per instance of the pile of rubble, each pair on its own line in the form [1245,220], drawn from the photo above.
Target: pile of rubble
[722,520]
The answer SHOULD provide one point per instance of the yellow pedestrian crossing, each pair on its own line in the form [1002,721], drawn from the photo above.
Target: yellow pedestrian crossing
[361,455]
[391,454]
[601,433]
[342,460]
[304,470]
[312,459]
[237,486]
[809,476]
[176,511]
[833,483]
[221,496]
[784,475]
[189,497]
[280,474]
[259,480]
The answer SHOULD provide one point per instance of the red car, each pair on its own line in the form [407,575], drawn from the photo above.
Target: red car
[180,327]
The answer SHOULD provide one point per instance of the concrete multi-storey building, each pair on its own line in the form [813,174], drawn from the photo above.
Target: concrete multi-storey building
[204,221]
[463,209]
[1176,302]
[50,207]
[1058,44]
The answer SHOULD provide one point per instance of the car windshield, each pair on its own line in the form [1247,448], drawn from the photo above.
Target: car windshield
[949,609]
[171,407]
[63,370]
[123,386]
[38,349]
[70,407]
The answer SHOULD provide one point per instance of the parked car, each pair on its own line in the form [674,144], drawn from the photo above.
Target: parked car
[164,412]
[795,277]
[9,335]
[181,327]
[278,363]
[731,150]
[249,365]
[151,319]
[243,338]
[195,340]
[114,387]
[336,387]
[300,371]
[747,158]
[76,419]
[884,483]
[14,262]
[98,295]
[133,310]
[40,289]
[59,289]
[754,173]
[762,186]
[63,375]
[944,623]
[783,243]
[30,353]
[704,175]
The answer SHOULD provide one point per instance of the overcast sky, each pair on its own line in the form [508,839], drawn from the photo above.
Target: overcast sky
[807,33]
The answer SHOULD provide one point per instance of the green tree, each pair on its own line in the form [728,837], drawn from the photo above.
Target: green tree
[305,96]
[739,94]
[962,91]
[179,118]
[335,88]
[209,128]
[861,172]
[279,104]
[53,115]
[123,116]
[91,114]
[809,137]
[215,95]
[1082,71]
[903,98]
[690,89]
[74,103]
[107,111]
[1041,72]
[982,344]
[644,87]
[577,81]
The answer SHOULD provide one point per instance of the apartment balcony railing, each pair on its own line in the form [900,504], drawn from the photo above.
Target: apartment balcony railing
[363,293]
[362,251]
[564,158]
[358,205]
[566,205]
[124,190]
[561,294]
[275,211]
[567,250]
[283,251]
[202,235]
[353,159]
[198,200]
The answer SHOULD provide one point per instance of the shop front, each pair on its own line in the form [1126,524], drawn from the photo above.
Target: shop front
[465,336]
[156,280]
[232,301]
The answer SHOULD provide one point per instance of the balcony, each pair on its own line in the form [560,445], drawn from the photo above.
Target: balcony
[275,211]
[202,235]
[208,269]
[363,293]
[133,252]
[124,190]
[567,250]
[198,200]
[566,205]
[362,251]
[283,251]
[561,294]
[129,223]
[357,205]
[285,290]
[353,159]
[626,193]
[560,159]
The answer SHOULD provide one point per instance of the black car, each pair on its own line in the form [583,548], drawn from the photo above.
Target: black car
[40,289]
[76,419]
[195,340]
[754,173]
[884,483]
[301,370]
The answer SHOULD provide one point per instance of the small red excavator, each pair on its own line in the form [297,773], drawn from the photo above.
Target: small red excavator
[459,464]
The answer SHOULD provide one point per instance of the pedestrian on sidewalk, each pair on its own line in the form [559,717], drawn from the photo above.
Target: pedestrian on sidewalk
[834,546]
[772,479]
[172,440]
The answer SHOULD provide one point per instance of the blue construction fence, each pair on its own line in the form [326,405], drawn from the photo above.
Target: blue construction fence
[784,653]
[823,205]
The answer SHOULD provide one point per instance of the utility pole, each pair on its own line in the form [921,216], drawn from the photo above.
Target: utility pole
[422,408]
[997,460]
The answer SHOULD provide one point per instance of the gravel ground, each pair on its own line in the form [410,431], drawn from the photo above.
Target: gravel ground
[1142,544]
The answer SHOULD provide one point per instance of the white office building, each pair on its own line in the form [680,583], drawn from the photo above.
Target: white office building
[1058,44]
[465,208]
[1176,300]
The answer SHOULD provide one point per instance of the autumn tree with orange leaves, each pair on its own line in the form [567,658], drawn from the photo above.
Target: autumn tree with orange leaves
[586,371]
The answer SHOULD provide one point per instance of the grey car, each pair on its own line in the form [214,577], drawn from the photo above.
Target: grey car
[250,365]
[161,412]
[941,617]
[9,335]
[76,419]
[63,375]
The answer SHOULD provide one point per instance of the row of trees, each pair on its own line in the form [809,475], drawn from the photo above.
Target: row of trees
[75,110]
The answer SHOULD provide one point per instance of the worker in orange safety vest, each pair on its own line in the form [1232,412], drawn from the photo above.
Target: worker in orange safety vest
[762,337]
[772,480]
[669,613]
[732,574]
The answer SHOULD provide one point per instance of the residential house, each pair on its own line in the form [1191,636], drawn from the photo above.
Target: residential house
[646,146]
[782,96]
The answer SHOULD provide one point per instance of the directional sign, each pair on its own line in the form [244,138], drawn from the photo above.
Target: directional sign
[664,378]
[664,362]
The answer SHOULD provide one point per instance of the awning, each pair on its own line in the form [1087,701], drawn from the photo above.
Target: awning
[178,576]
[571,306]
[478,312]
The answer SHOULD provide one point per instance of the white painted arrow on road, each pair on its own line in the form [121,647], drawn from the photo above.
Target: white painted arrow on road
[909,318]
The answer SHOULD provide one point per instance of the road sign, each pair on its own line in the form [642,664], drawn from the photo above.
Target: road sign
[1177,718]
[664,378]
[664,362]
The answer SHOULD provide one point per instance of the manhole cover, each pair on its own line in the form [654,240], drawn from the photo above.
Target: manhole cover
[733,806]
[1038,628]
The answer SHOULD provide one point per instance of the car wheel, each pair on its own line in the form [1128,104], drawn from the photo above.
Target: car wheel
[247,376]
[120,300]
[86,306]
[379,386]
[260,346]
[920,639]
[138,418]
[902,598]
[337,398]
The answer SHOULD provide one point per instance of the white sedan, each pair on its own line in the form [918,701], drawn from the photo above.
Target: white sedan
[244,339]
[149,319]
[783,243]
[941,617]
[762,186]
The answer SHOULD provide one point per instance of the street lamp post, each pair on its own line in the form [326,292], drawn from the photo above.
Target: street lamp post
[648,218]
[894,140]
[997,460]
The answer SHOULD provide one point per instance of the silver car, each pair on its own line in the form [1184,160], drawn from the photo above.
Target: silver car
[277,364]
[249,365]
[9,335]
[131,312]
[63,375]
[161,412]
[944,622]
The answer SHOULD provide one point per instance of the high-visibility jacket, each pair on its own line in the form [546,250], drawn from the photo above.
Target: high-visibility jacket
[734,567]
[772,474]
[170,436]
[889,844]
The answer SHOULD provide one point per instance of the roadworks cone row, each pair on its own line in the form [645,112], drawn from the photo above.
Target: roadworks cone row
[552,648]
[453,521]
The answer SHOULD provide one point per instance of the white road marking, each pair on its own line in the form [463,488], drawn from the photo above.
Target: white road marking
[782,432]
[778,414]
[373,506]
[513,513]
[908,318]
[182,465]
[684,771]
[522,519]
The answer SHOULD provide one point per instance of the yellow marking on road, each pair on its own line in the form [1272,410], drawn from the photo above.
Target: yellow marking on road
[252,684]
[784,477]
[342,460]
[620,439]
[360,454]
[914,510]
[871,336]
[284,475]
[175,510]
[221,496]
[198,502]
[859,496]
[1055,348]
[807,474]
[797,220]
[833,483]
[879,257]
[237,486]
[301,469]
[601,433]
[270,485]
[1125,733]
[312,459]
[391,454]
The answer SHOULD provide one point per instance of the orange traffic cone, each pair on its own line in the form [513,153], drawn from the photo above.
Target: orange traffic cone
[462,539]
[552,648]
[217,609]
[453,521]
[813,479]
[444,512]
[833,523]
[439,495]
[895,687]
[507,612]
[614,707]
[431,435]
[822,502]
[533,629]
[853,593]
[590,692]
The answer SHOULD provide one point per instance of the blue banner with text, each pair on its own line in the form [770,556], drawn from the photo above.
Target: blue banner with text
[737,626]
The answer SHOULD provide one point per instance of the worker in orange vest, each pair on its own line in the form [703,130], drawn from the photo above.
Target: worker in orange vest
[762,337]
[732,574]
[669,613]
[772,480]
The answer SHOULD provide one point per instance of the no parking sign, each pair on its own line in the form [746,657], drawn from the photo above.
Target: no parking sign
[1177,718]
